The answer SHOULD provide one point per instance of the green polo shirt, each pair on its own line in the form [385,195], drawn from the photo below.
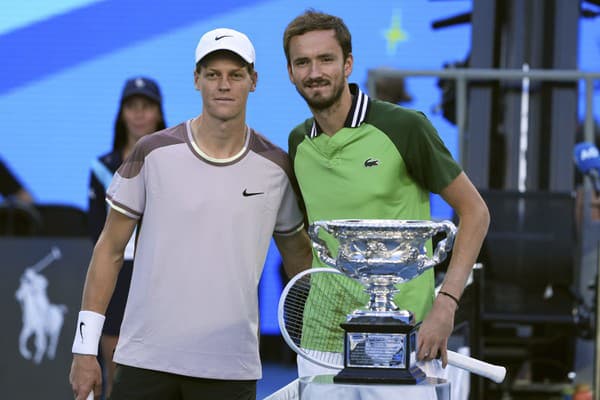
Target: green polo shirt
[382,164]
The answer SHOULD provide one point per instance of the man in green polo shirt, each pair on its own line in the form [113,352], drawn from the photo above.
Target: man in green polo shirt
[362,158]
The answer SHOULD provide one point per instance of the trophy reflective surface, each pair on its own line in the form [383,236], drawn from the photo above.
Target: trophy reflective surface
[380,340]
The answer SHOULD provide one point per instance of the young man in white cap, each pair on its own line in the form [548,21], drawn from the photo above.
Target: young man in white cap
[208,195]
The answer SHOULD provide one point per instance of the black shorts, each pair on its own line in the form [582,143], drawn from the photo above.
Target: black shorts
[132,383]
[116,307]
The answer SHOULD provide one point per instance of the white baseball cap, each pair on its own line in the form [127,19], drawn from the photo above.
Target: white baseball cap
[225,39]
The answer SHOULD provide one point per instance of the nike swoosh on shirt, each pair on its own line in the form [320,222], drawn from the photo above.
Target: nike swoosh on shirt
[245,193]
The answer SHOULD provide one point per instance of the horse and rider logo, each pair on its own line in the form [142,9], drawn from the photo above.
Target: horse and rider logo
[42,320]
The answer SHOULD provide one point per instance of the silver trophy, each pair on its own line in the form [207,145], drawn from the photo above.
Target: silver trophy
[380,340]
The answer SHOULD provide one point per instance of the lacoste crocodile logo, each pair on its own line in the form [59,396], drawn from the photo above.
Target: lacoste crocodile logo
[371,162]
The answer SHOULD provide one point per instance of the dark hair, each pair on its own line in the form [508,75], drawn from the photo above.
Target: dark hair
[202,63]
[312,20]
[120,131]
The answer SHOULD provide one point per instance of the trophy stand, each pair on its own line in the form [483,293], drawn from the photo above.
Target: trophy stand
[380,341]
[380,350]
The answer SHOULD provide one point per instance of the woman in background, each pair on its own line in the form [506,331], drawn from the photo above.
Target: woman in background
[140,113]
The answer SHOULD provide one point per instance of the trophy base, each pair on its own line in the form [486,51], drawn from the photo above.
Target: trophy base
[411,376]
[379,343]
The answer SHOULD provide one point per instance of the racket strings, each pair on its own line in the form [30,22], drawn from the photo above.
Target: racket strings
[294,308]
[316,305]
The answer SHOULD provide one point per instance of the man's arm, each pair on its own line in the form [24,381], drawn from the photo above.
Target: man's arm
[474,220]
[579,204]
[296,252]
[102,273]
[24,196]
[106,262]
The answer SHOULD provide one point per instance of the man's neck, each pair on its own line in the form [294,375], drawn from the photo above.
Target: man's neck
[219,139]
[332,119]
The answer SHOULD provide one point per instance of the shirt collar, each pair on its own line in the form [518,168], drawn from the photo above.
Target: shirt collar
[356,115]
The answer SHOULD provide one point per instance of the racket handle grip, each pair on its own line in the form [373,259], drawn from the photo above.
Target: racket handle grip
[494,372]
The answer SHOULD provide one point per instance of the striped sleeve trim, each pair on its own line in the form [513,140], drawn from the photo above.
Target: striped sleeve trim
[290,232]
[123,209]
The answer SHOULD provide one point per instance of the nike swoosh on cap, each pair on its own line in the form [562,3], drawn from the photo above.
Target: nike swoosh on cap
[221,37]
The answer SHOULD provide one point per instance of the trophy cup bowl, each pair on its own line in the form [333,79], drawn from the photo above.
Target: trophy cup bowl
[380,340]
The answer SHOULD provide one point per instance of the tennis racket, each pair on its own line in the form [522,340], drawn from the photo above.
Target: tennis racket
[333,295]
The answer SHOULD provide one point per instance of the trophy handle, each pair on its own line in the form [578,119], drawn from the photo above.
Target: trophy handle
[444,246]
[319,244]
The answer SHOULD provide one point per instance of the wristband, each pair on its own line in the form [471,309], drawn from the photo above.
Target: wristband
[451,296]
[87,333]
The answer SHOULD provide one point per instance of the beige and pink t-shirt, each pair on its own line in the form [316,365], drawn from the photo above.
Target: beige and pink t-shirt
[206,225]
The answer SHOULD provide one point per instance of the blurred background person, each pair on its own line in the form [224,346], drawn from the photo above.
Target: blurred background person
[140,113]
[11,187]
[391,88]
[18,214]
[589,167]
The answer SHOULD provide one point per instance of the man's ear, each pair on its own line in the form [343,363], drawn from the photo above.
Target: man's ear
[196,80]
[348,64]
[254,79]
[289,69]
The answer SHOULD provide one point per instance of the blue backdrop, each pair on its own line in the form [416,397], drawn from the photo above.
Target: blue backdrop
[64,63]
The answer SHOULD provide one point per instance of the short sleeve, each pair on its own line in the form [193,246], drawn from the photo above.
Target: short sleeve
[289,216]
[127,191]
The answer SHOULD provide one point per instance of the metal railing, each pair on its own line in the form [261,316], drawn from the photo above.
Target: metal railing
[463,75]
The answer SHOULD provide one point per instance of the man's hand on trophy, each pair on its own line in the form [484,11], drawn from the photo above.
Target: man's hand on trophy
[435,330]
